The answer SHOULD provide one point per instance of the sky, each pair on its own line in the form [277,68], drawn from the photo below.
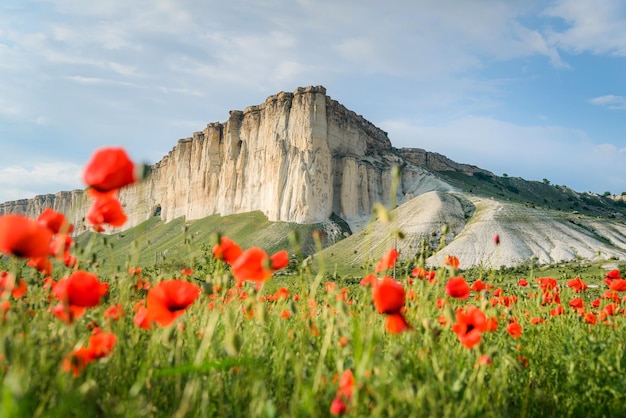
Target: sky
[533,89]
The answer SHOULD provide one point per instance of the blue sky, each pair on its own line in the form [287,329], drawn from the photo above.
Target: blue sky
[535,89]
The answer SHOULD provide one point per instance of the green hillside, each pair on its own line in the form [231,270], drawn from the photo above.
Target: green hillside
[179,243]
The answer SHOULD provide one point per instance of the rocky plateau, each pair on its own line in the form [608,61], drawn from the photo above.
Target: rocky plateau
[302,157]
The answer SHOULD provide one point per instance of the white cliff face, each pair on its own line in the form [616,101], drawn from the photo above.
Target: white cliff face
[298,157]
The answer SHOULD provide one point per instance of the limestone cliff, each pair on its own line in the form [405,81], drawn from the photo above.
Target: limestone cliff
[298,157]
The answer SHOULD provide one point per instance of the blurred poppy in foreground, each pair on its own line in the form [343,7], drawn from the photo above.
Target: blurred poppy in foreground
[169,299]
[109,169]
[24,237]
[387,261]
[80,289]
[106,210]
[254,265]
[388,297]
[227,250]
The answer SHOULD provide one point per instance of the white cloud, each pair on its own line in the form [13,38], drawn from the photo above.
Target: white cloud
[592,26]
[563,155]
[610,101]
[26,181]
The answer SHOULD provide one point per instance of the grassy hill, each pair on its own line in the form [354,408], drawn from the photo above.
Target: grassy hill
[179,243]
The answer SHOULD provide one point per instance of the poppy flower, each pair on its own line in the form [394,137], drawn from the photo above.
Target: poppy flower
[395,323]
[255,265]
[338,407]
[76,361]
[388,296]
[458,288]
[452,261]
[9,285]
[109,169]
[101,344]
[479,286]
[169,299]
[114,312]
[484,360]
[280,260]
[23,237]
[577,284]
[68,313]
[141,316]
[281,293]
[227,250]
[536,320]
[106,210]
[471,322]
[612,275]
[186,272]
[522,282]
[576,303]
[80,289]
[369,280]
[557,311]
[387,261]
[546,284]
[514,329]
[55,221]
[618,285]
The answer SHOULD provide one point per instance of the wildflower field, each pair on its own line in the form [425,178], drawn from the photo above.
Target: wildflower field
[246,333]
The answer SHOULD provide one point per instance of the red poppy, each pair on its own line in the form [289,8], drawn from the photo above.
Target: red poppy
[109,169]
[522,282]
[114,312]
[536,320]
[612,275]
[280,260]
[101,344]
[186,272]
[576,303]
[281,293]
[514,329]
[169,299]
[346,384]
[396,323]
[479,286]
[471,322]
[9,285]
[106,210]
[255,265]
[80,289]
[388,296]
[546,283]
[387,261]
[77,360]
[285,314]
[452,261]
[458,288]
[141,316]
[55,221]
[618,285]
[590,318]
[557,311]
[227,250]
[338,407]
[369,280]
[577,284]
[484,360]
[68,313]
[23,237]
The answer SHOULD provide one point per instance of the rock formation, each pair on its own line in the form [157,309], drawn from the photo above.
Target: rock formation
[298,157]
